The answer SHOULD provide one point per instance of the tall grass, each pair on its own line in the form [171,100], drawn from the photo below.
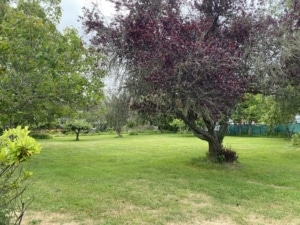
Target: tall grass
[165,179]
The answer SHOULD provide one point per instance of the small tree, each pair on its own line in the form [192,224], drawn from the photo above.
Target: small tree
[16,146]
[77,126]
[117,112]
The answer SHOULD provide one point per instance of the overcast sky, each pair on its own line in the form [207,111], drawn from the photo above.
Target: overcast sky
[71,9]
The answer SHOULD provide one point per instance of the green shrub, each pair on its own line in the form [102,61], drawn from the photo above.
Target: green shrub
[296,139]
[179,126]
[16,146]
[227,155]
[131,124]
[40,136]
[132,132]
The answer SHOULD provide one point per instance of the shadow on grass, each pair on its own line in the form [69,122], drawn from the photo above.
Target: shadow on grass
[73,140]
[204,163]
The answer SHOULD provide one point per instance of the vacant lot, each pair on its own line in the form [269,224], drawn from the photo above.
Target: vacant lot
[163,179]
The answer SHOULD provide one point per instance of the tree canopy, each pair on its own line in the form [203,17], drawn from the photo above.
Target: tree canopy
[45,74]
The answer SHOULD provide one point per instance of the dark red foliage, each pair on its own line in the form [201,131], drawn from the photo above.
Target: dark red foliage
[194,58]
[228,156]
[189,53]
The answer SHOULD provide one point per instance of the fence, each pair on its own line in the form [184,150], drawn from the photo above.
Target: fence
[262,130]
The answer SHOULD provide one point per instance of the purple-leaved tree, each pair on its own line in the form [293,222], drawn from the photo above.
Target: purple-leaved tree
[185,58]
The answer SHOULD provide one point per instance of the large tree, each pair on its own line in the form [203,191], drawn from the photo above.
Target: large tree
[186,58]
[277,61]
[45,74]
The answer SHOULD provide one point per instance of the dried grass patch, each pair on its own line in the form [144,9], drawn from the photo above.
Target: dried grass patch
[256,219]
[203,221]
[192,206]
[46,218]
[123,208]
[196,201]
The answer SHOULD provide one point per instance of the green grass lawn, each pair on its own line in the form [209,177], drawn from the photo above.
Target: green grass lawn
[163,179]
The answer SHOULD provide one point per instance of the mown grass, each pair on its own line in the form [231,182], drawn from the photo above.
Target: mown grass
[165,179]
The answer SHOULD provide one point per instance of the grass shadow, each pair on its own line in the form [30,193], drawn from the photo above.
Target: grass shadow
[204,162]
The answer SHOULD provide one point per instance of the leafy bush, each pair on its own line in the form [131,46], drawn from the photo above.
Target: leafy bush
[296,139]
[16,146]
[131,124]
[227,155]
[40,136]
[133,132]
[179,126]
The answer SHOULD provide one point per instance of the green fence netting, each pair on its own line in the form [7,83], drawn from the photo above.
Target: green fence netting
[262,130]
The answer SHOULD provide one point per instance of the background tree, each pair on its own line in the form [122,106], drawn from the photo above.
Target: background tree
[77,126]
[184,58]
[96,116]
[276,59]
[45,74]
[282,109]
[117,112]
[250,110]
[287,69]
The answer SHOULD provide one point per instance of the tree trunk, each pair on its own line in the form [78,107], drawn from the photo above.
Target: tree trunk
[210,134]
[249,128]
[288,132]
[215,140]
[118,131]
[160,128]
[77,135]
[214,149]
